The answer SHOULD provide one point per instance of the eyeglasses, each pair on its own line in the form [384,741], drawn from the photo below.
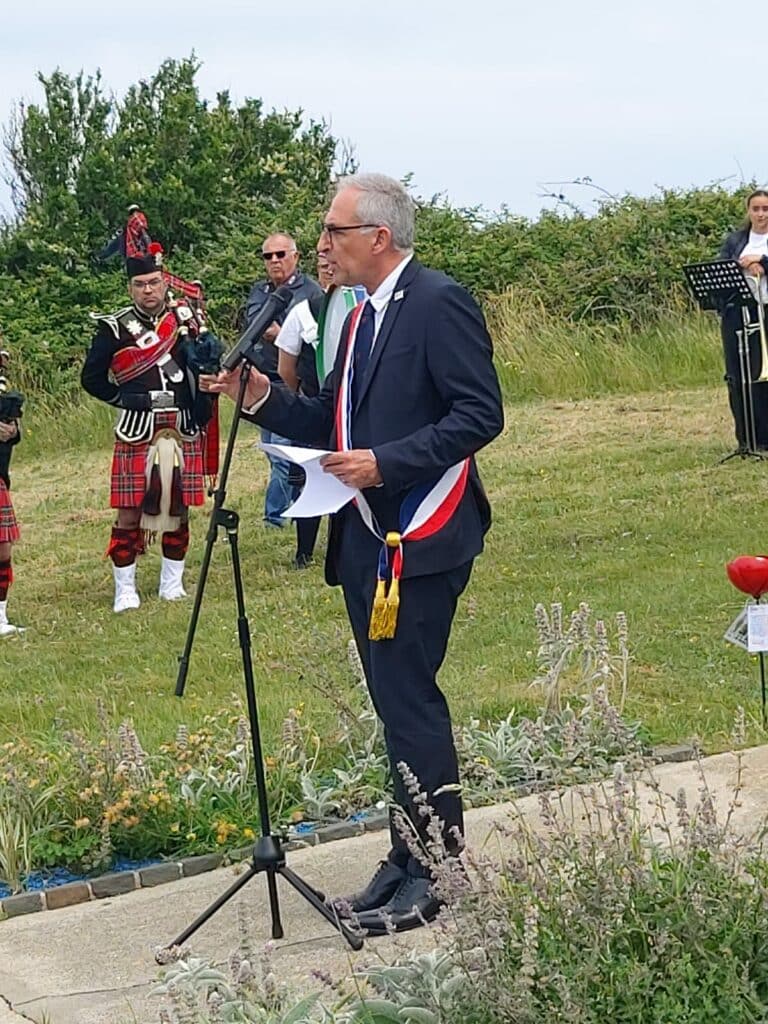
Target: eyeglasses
[280,254]
[335,229]
[144,285]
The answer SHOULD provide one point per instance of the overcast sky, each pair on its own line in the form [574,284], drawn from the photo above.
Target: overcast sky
[484,101]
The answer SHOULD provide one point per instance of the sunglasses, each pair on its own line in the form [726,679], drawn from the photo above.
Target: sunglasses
[279,255]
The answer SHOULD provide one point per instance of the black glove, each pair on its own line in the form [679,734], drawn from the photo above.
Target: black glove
[137,400]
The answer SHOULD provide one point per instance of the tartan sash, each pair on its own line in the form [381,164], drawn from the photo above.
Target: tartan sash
[147,351]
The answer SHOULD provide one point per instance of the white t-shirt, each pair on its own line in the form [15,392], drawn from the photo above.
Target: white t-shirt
[299,327]
[757,245]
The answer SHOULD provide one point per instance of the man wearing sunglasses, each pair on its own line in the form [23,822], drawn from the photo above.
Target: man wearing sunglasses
[281,263]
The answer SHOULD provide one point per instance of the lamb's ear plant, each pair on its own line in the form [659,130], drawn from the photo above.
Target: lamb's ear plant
[92,799]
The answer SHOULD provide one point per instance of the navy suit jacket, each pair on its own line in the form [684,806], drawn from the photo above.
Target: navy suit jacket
[430,398]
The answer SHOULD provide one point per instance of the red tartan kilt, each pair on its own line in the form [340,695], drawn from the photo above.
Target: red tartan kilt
[9,528]
[129,474]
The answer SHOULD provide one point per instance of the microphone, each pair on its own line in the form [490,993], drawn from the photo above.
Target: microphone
[272,308]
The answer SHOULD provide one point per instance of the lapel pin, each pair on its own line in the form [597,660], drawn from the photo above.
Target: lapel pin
[398,295]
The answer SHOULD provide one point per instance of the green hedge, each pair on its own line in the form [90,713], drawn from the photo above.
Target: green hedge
[215,179]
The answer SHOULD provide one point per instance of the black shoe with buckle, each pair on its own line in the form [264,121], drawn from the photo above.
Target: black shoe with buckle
[410,907]
[380,890]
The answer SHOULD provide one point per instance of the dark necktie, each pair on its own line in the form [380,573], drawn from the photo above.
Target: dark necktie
[363,346]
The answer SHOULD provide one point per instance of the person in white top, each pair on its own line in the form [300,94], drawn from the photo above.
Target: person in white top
[749,246]
[307,345]
[296,345]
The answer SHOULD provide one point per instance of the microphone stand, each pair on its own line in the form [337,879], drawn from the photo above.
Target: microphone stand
[268,854]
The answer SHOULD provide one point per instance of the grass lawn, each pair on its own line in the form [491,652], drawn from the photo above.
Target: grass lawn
[615,501]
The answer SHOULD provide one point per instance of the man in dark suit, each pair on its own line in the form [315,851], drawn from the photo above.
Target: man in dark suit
[412,397]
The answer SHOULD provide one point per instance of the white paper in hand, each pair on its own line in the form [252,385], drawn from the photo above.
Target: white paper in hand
[323,493]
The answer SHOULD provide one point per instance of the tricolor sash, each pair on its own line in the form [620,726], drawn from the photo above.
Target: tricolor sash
[425,509]
[149,350]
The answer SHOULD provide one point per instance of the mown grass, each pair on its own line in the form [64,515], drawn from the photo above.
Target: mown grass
[616,501]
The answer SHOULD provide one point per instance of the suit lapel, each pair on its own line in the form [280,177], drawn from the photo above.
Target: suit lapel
[398,300]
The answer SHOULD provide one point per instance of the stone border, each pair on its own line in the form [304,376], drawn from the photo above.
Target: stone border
[117,883]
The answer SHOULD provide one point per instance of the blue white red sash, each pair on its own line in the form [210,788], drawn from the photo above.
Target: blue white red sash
[424,510]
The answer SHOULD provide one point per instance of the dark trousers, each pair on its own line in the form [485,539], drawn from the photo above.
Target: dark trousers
[730,326]
[401,675]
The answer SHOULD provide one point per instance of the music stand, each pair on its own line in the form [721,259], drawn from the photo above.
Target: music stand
[268,854]
[714,286]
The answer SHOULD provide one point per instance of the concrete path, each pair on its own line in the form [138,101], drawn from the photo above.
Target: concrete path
[94,963]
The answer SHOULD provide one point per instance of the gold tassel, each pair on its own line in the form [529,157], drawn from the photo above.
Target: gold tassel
[378,612]
[386,604]
[384,611]
[391,609]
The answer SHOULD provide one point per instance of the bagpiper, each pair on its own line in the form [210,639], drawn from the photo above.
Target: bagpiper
[145,360]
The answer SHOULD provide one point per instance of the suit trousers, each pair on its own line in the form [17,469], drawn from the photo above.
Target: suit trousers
[401,675]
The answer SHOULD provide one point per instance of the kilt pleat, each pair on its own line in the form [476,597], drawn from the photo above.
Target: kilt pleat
[129,466]
[9,528]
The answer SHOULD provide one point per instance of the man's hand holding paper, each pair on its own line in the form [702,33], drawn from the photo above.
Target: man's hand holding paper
[357,468]
[323,492]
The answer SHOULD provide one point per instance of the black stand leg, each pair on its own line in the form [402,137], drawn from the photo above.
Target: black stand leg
[762,685]
[749,450]
[268,854]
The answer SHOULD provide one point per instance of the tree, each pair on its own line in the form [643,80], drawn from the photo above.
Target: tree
[213,178]
[77,159]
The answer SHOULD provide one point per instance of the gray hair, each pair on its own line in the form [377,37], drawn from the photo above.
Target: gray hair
[383,201]
[282,234]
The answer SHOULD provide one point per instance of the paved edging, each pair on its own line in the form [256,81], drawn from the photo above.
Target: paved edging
[117,883]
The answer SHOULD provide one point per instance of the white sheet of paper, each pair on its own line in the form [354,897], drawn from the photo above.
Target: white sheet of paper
[323,493]
[757,628]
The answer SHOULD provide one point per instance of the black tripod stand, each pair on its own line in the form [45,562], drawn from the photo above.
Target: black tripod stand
[716,285]
[268,854]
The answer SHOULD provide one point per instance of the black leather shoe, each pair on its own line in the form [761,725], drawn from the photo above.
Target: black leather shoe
[411,906]
[380,890]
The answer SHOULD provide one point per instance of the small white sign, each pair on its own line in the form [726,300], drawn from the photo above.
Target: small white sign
[737,631]
[757,628]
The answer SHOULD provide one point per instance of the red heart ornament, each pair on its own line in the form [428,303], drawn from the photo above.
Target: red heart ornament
[749,573]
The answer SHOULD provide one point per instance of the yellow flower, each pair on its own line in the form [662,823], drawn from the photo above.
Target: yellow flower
[82,822]
[131,821]
[248,833]
[191,835]
[175,827]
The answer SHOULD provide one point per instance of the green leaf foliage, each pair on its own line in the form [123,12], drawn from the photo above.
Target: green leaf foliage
[215,178]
